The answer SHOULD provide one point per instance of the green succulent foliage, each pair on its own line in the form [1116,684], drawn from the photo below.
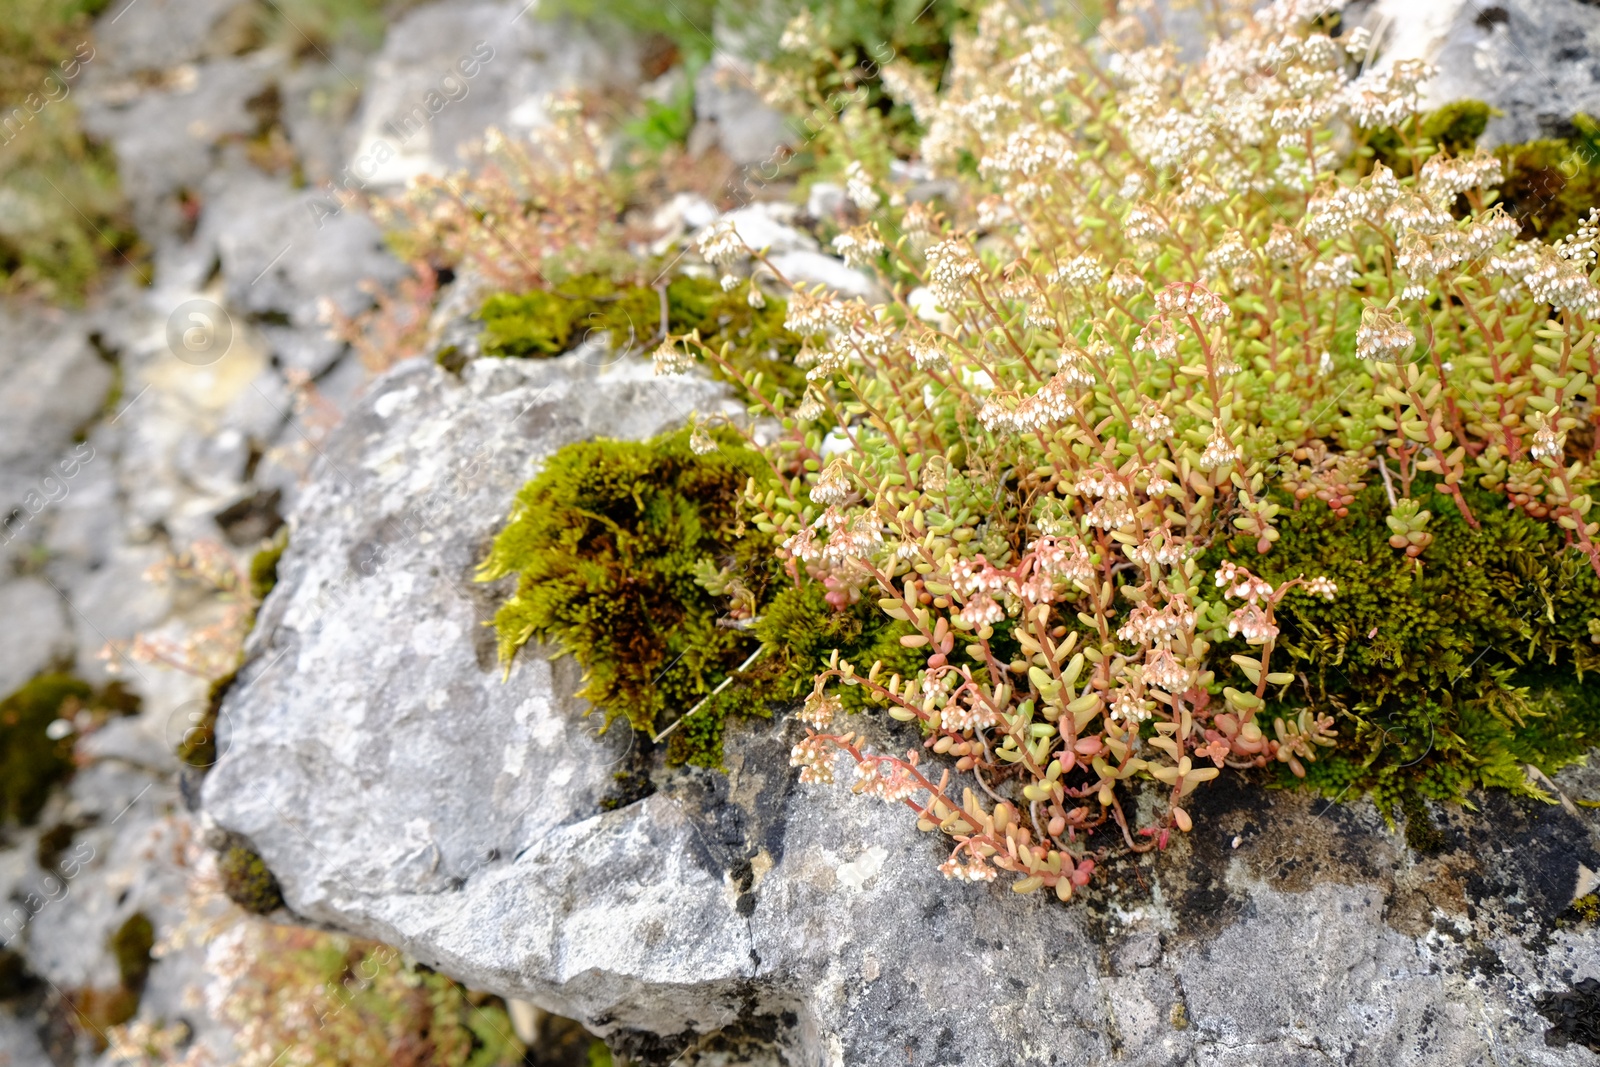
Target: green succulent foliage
[548,322]
[1446,676]
[31,762]
[605,543]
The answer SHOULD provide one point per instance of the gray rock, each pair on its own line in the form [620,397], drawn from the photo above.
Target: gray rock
[400,790]
[814,268]
[1538,61]
[410,515]
[19,1043]
[167,141]
[733,116]
[283,251]
[115,603]
[449,70]
[55,385]
[136,36]
[37,631]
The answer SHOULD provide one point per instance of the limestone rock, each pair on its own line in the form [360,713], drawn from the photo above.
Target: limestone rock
[1538,61]
[400,790]
[55,384]
[449,70]
[398,512]
[38,634]
[733,115]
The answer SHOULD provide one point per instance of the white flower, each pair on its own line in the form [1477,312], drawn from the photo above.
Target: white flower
[668,358]
[833,487]
[1549,442]
[815,758]
[1322,586]
[1253,623]
[1127,707]
[1219,451]
[1380,337]
[1158,338]
[860,246]
[858,187]
[982,611]
[820,709]
[950,265]
[721,246]
[1125,282]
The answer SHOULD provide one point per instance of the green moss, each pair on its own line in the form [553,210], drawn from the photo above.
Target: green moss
[248,882]
[802,629]
[605,544]
[264,564]
[1443,677]
[131,946]
[198,746]
[615,545]
[1455,127]
[372,1006]
[31,763]
[1587,908]
[1551,184]
[547,322]
[1422,833]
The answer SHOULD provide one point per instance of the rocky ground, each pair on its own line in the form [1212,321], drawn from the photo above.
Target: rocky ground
[191,410]
[401,790]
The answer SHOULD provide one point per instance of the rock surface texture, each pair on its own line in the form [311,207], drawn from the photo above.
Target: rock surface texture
[1536,61]
[401,790]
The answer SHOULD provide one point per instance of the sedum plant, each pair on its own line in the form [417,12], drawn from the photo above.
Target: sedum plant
[1179,326]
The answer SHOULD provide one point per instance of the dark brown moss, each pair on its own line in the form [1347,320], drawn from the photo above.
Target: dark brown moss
[131,945]
[248,882]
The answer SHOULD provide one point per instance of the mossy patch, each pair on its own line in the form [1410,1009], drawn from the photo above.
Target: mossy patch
[617,547]
[1550,184]
[264,564]
[605,543]
[32,762]
[131,945]
[1455,128]
[1446,676]
[248,882]
[547,322]
[198,746]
